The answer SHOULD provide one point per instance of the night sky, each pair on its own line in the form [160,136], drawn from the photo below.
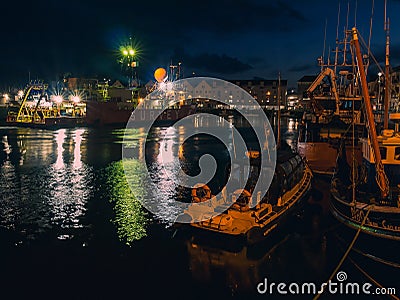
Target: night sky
[238,39]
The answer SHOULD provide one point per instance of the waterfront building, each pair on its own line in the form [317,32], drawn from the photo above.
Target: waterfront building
[265,91]
[376,89]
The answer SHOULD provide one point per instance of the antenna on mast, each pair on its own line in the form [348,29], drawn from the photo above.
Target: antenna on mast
[324,49]
[355,15]
[338,21]
[345,30]
[278,139]
[370,29]
[387,75]
[337,39]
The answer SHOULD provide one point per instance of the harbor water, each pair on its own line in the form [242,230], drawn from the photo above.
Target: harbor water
[70,227]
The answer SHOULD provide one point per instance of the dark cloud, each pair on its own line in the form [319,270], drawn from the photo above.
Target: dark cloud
[379,54]
[302,68]
[240,37]
[212,16]
[240,16]
[211,63]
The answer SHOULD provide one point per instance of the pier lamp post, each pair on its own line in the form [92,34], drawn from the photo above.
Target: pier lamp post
[128,58]
[129,62]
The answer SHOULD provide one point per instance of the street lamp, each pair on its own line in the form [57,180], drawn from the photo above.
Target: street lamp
[129,53]
[128,60]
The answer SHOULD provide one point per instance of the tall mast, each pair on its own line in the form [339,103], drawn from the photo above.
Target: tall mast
[323,51]
[346,30]
[387,75]
[337,41]
[278,142]
[381,177]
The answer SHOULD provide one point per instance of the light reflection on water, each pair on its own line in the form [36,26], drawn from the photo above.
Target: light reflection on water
[48,177]
[130,218]
[69,185]
[45,184]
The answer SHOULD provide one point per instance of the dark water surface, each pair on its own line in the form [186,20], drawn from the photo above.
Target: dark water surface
[70,227]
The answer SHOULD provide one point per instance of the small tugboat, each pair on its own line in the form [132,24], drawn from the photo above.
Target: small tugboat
[290,185]
[39,110]
[367,198]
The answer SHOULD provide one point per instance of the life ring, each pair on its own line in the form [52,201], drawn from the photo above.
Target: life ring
[242,201]
[200,193]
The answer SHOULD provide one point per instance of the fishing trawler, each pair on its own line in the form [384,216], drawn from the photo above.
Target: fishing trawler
[367,198]
[39,109]
[335,106]
[290,185]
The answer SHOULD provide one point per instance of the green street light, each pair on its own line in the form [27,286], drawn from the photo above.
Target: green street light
[129,53]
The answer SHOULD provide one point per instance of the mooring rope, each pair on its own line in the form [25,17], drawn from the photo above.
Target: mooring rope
[346,253]
[371,279]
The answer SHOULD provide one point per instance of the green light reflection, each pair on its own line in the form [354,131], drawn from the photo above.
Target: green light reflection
[130,218]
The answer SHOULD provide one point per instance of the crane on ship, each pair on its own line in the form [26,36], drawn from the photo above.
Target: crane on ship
[32,108]
[325,72]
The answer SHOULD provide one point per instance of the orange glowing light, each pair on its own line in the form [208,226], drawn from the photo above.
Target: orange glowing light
[160,74]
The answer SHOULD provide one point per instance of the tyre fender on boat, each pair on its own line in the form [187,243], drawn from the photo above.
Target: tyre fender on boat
[200,193]
[240,205]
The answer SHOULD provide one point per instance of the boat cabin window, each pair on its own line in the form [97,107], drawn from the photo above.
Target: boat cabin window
[383,151]
[290,173]
[348,104]
[397,153]
[328,104]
